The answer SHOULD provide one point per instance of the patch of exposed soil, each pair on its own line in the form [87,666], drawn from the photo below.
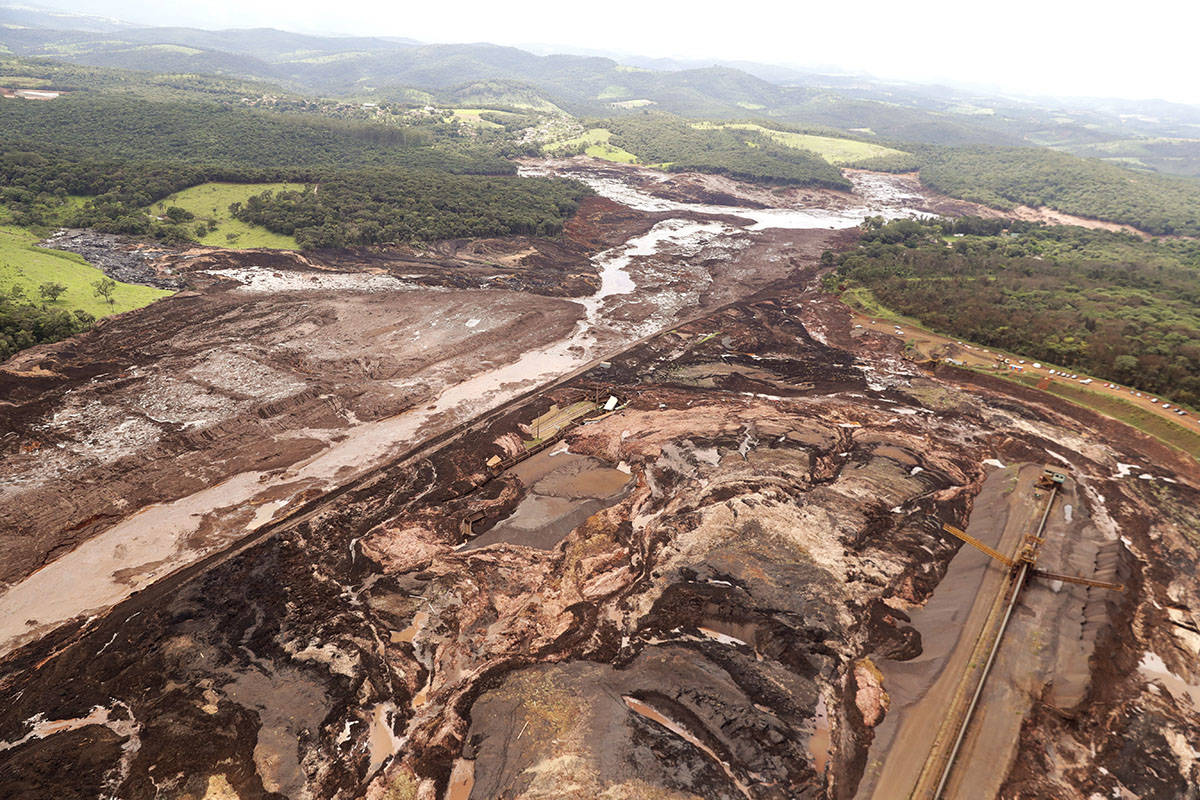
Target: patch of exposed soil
[562,491]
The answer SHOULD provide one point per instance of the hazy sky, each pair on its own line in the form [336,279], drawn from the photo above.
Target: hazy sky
[1140,50]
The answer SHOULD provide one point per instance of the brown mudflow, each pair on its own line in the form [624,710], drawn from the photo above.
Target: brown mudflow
[738,616]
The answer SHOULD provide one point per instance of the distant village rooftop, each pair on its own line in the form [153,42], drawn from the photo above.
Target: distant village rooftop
[30,94]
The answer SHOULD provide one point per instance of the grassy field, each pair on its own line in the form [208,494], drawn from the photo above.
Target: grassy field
[830,148]
[471,116]
[862,299]
[210,202]
[23,264]
[598,146]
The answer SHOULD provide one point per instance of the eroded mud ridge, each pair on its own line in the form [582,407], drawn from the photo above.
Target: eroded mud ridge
[709,592]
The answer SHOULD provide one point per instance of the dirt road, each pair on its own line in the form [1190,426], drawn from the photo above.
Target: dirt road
[1045,652]
[933,345]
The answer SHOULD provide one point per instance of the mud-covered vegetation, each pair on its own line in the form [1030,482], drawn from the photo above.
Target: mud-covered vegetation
[743,154]
[1106,303]
[363,208]
[1004,177]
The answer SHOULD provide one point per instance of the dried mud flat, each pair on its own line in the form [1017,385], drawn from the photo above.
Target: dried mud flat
[722,627]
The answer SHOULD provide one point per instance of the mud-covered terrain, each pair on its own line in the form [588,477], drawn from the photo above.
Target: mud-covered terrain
[710,595]
[119,257]
[884,190]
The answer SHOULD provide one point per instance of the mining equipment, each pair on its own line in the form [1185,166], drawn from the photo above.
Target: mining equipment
[1052,479]
[1022,567]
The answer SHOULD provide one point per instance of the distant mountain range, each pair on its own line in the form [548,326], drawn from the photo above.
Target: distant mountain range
[372,68]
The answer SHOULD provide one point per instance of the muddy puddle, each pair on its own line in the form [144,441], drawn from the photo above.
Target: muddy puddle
[384,743]
[1155,670]
[462,780]
[406,635]
[820,744]
[564,490]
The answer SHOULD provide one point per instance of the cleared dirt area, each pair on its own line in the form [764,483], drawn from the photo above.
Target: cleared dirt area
[1044,653]
[923,689]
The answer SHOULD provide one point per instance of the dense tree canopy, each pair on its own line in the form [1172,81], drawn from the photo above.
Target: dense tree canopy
[23,324]
[1005,177]
[128,128]
[363,208]
[1103,303]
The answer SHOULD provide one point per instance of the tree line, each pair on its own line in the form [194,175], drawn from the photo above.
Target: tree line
[1004,177]
[392,206]
[24,323]
[129,128]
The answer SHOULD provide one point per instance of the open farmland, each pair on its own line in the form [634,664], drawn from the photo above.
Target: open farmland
[595,142]
[832,149]
[210,202]
[24,264]
[473,116]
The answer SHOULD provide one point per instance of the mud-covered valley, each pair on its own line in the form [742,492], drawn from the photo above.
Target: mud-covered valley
[277,535]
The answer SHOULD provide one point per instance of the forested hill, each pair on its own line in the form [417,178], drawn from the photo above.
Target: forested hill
[101,158]
[1007,177]
[679,146]
[396,70]
[400,70]
[128,127]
